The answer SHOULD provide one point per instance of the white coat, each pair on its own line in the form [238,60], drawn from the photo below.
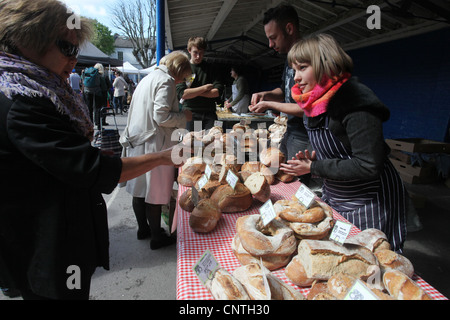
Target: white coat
[153,116]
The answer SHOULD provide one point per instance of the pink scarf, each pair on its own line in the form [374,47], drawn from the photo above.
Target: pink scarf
[315,102]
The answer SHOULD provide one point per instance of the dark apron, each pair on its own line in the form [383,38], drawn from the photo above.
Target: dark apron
[378,204]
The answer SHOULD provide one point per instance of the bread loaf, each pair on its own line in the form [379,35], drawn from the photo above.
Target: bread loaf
[340,284]
[251,277]
[295,271]
[272,157]
[389,259]
[321,259]
[190,173]
[258,186]
[270,262]
[401,287]
[204,216]
[232,200]
[319,291]
[185,201]
[224,286]
[274,239]
[372,239]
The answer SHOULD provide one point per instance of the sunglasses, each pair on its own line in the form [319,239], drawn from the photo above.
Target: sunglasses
[68,49]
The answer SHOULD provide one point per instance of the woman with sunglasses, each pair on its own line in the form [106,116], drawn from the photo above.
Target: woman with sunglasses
[53,219]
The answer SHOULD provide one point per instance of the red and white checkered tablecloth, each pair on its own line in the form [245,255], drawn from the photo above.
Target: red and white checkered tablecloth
[191,246]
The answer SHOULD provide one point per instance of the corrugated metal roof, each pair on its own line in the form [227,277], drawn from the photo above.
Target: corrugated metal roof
[235,31]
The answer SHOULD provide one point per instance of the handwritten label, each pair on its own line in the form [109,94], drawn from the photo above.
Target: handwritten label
[218,123]
[262,125]
[206,267]
[203,180]
[359,291]
[232,179]
[305,196]
[267,212]
[340,232]
[208,171]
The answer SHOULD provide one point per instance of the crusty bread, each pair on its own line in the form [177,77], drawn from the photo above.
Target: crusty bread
[340,284]
[204,216]
[190,174]
[229,200]
[270,262]
[256,166]
[319,291]
[251,277]
[275,239]
[258,186]
[389,259]
[272,157]
[372,239]
[295,271]
[224,286]
[284,177]
[401,287]
[322,259]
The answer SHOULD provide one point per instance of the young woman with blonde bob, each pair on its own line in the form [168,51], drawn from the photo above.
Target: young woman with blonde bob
[344,122]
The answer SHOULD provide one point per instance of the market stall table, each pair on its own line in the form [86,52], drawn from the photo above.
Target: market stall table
[191,246]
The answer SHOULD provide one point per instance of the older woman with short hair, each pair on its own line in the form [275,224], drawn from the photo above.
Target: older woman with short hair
[153,116]
[53,218]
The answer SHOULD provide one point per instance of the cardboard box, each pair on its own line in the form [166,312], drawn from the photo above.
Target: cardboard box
[422,172]
[418,145]
[400,155]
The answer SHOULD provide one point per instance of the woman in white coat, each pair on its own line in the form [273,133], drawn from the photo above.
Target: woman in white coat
[154,114]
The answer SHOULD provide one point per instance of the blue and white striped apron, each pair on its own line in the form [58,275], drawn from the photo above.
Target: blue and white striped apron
[376,204]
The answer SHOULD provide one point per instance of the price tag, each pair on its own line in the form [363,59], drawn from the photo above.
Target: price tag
[359,291]
[194,196]
[203,180]
[267,212]
[340,232]
[262,125]
[232,179]
[206,266]
[218,123]
[305,196]
[208,171]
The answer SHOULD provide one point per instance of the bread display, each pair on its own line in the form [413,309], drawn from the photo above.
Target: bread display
[321,259]
[401,287]
[252,276]
[224,286]
[271,157]
[204,216]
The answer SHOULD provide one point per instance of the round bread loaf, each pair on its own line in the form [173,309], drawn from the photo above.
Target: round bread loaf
[272,157]
[232,200]
[273,239]
[204,216]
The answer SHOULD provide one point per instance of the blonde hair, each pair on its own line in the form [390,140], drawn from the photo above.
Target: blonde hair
[198,42]
[36,24]
[178,63]
[323,53]
[100,68]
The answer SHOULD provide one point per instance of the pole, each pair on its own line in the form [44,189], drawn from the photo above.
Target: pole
[160,31]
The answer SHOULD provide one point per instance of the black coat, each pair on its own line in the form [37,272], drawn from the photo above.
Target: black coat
[52,213]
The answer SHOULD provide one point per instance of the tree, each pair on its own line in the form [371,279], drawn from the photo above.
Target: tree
[103,39]
[137,20]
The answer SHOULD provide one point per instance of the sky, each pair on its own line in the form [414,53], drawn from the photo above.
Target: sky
[95,9]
